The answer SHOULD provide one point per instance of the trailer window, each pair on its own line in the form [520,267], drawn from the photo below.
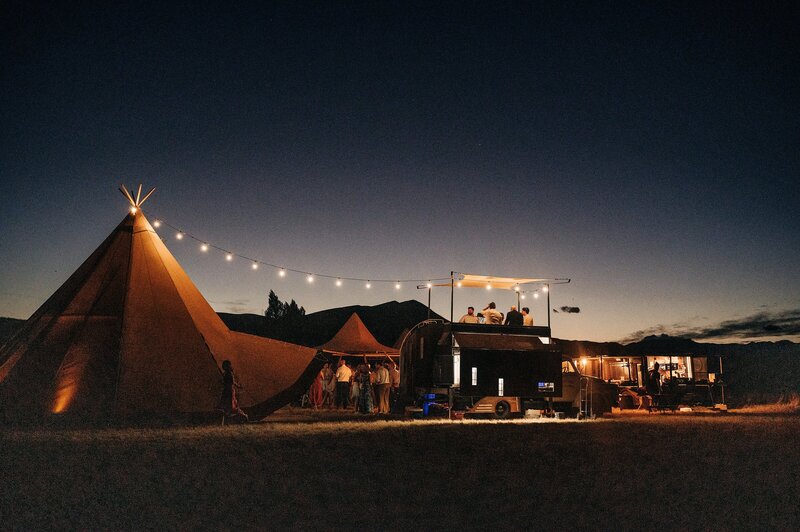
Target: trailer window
[474,376]
[500,387]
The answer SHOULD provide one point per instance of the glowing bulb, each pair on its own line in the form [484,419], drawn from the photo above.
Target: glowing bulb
[156,224]
[204,247]
[338,282]
[536,295]
[229,257]
[488,286]
[545,289]
[133,210]
[522,296]
[397,286]
[516,289]
[179,236]
[310,278]
[458,284]
[429,285]
[255,266]
[282,272]
[368,285]
[583,361]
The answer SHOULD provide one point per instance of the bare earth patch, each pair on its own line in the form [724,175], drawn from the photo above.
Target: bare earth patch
[628,472]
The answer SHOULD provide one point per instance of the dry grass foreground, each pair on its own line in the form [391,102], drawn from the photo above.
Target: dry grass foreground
[631,472]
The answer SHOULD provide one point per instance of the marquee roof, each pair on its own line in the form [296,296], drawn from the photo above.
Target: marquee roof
[355,339]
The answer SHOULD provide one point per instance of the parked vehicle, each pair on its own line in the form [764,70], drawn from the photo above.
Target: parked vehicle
[494,370]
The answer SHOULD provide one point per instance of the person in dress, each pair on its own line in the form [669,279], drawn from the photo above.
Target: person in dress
[315,391]
[354,391]
[364,390]
[328,386]
[228,403]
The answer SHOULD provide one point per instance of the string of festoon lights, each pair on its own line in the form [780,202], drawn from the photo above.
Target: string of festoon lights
[282,270]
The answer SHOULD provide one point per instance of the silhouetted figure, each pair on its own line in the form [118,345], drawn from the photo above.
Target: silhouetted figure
[228,403]
[653,383]
[514,317]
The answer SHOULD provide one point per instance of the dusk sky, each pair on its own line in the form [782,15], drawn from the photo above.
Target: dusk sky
[647,151]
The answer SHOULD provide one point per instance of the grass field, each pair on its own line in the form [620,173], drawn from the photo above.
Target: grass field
[660,471]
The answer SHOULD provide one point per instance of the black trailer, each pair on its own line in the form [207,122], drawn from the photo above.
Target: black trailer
[481,369]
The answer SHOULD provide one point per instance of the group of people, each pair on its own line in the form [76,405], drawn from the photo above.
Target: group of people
[492,316]
[365,389]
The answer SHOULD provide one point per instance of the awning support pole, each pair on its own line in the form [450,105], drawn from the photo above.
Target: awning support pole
[452,279]
[548,308]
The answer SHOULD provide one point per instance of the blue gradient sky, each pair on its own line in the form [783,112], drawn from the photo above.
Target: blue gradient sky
[647,152]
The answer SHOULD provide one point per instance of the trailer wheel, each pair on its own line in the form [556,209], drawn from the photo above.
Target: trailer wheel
[502,410]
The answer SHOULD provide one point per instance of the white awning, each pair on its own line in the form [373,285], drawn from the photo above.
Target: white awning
[469,280]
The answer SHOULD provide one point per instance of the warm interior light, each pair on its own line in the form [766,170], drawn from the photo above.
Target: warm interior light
[179,236]
[204,247]
[229,257]
[282,273]
[133,210]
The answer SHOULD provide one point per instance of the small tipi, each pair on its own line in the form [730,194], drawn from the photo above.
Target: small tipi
[355,339]
[129,335]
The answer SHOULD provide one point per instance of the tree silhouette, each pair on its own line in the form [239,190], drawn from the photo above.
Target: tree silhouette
[277,309]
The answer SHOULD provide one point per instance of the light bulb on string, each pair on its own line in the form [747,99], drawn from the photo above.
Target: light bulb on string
[133,210]
[429,284]
[368,285]
[397,286]
[204,247]
[179,236]
[282,272]
[545,289]
[488,286]
[310,278]
[522,296]
[338,282]
[156,224]
[255,266]
[458,284]
[516,288]
[536,295]
[229,257]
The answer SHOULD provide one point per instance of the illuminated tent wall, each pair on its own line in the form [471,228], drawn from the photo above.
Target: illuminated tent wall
[355,339]
[129,335]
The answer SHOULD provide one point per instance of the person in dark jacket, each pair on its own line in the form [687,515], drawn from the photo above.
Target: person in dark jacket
[514,317]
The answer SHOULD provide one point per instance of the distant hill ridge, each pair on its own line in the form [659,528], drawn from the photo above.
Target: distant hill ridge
[386,322]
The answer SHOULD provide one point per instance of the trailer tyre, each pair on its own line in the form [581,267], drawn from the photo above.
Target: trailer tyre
[502,410]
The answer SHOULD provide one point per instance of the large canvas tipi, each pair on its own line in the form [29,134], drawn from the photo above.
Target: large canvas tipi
[129,335]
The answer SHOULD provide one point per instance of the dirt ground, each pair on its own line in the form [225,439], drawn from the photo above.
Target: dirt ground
[302,470]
